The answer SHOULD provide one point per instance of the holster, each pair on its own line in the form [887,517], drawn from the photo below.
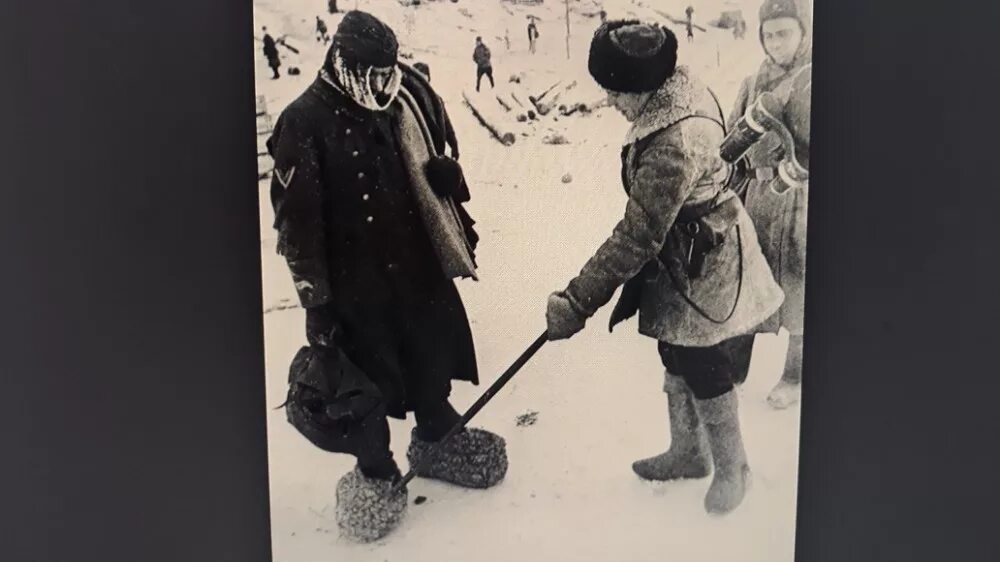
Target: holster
[699,229]
[702,228]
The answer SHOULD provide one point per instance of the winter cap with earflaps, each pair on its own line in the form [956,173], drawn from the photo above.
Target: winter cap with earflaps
[631,56]
[799,10]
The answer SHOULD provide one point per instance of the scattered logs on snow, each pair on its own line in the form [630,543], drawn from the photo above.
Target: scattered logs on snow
[549,99]
[491,120]
[582,107]
[284,43]
[503,104]
[545,105]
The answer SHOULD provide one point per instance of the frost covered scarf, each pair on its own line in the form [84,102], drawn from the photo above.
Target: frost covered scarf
[680,97]
[349,80]
[439,213]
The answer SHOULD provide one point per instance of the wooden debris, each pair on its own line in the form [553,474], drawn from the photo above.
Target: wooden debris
[490,122]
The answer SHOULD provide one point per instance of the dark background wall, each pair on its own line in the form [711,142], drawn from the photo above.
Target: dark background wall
[131,411]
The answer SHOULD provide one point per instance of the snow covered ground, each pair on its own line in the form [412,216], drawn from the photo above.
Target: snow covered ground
[570,494]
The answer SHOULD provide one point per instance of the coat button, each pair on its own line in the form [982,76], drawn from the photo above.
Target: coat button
[354,154]
[347,131]
[361,175]
[370,219]
[365,197]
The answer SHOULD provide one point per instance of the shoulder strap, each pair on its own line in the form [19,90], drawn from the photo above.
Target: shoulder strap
[722,114]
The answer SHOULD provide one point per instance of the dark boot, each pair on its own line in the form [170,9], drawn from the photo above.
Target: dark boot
[688,454]
[366,509]
[732,472]
[789,389]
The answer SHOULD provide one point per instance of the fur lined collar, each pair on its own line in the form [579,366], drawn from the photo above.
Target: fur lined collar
[681,96]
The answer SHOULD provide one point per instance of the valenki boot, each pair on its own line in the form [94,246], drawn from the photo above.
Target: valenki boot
[732,472]
[688,455]
[366,509]
[788,391]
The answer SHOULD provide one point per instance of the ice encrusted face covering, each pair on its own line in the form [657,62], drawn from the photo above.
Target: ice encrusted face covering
[356,82]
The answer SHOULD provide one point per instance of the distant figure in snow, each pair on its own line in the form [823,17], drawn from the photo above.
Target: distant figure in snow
[332,6]
[321,31]
[690,23]
[271,52]
[506,38]
[532,35]
[481,55]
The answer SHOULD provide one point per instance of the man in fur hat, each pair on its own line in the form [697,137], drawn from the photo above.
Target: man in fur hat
[686,253]
[778,211]
[369,221]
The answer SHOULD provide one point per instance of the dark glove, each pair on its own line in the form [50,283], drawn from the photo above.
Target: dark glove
[562,318]
[321,326]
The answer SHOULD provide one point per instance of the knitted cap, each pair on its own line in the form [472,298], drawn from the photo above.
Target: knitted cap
[630,56]
[364,40]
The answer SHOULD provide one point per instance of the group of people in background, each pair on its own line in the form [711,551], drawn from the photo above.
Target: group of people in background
[368,200]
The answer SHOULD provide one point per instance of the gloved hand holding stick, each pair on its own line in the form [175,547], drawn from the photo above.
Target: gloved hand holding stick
[475,408]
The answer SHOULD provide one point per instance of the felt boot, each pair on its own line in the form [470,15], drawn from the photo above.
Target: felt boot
[688,455]
[720,417]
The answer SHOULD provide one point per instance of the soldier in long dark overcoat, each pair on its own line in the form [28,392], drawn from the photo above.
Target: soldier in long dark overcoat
[369,219]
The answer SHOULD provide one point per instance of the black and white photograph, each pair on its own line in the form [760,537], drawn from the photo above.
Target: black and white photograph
[533,277]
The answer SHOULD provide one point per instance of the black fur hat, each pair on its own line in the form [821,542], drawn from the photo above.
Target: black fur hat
[631,56]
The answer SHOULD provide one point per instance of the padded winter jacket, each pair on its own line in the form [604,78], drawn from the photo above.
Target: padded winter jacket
[677,209]
[778,212]
[481,56]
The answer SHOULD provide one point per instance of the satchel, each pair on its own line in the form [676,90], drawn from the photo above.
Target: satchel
[702,228]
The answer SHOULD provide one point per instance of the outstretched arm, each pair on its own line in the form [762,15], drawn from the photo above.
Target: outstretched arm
[666,173]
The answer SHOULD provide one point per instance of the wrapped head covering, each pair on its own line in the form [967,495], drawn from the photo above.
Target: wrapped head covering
[361,43]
